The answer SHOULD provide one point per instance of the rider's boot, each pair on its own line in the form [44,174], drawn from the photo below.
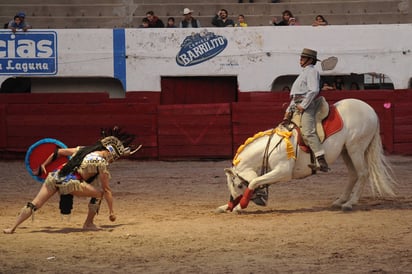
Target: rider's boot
[323,165]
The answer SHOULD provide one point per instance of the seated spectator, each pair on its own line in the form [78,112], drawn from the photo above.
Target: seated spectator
[286,88]
[293,22]
[220,20]
[189,21]
[286,15]
[241,21]
[19,23]
[15,24]
[145,23]
[339,84]
[354,86]
[170,22]
[154,21]
[327,86]
[320,21]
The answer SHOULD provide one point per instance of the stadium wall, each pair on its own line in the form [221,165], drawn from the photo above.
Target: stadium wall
[139,59]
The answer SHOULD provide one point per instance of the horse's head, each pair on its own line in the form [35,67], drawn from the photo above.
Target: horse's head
[235,183]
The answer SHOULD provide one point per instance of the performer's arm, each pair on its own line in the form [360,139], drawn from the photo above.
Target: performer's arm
[56,154]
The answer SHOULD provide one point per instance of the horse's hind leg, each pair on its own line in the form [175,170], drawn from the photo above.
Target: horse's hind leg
[352,180]
[361,170]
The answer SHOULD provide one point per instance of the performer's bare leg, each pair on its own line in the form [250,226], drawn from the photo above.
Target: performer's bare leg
[89,222]
[44,194]
[94,206]
[91,191]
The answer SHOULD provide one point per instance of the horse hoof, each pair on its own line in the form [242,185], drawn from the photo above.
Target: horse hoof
[220,210]
[237,210]
[346,208]
[336,205]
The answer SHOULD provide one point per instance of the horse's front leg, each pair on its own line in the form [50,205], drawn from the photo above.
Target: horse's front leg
[280,174]
[222,209]
[229,206]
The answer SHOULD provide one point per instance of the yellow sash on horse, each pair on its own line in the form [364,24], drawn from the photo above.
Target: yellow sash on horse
[290,151]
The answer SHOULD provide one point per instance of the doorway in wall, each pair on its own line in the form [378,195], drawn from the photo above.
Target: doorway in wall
[198,90]
[194,118]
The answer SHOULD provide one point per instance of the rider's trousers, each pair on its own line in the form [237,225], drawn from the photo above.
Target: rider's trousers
[308,129]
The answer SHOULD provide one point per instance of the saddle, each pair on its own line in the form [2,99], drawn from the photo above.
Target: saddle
[328,122]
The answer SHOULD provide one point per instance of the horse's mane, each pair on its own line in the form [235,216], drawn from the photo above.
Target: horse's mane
[281,131]
[250,140]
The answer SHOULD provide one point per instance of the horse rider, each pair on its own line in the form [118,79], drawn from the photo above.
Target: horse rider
[304,91]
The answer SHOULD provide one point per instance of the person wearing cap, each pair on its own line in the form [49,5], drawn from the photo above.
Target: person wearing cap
[85,174]
[188,20]
[19,23]
[221,20]
[304,91]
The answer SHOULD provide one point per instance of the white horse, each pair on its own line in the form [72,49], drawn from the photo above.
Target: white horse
[358,142]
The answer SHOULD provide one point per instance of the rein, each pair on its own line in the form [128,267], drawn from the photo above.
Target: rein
[266,154]
[285,135]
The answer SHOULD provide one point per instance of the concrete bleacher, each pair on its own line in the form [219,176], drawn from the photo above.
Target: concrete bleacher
[260,12]
[128,13]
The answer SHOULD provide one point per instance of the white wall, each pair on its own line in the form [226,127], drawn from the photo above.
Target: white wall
[257,55]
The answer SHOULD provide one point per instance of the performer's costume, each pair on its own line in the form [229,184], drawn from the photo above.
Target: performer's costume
[91,164]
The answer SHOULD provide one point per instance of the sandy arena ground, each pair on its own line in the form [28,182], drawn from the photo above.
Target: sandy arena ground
[166,224]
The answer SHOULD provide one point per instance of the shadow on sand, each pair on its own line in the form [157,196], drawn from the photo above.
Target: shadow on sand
[365,204]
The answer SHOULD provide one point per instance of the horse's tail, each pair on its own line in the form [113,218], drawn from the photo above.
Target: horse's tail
[380,172]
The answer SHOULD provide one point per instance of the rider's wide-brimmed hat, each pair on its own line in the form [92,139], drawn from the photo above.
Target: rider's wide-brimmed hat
[310,53]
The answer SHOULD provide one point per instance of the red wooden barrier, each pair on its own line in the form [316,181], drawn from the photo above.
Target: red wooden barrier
[3,127]
[194,131]
[177,131]
[142,97]
[403,122]
[76,123]
[249,118]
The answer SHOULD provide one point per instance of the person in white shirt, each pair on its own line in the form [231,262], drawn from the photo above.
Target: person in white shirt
[304,91]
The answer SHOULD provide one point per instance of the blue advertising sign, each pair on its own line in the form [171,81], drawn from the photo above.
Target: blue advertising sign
[32,52]
[200,47]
